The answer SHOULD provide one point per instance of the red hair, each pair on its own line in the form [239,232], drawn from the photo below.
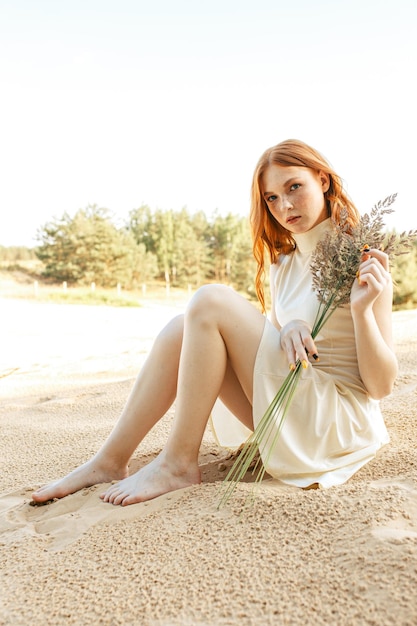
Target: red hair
[267,234]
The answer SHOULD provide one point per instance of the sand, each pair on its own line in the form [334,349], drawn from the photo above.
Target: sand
[344,556]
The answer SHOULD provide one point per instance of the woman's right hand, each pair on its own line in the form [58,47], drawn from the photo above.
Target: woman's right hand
[297,343]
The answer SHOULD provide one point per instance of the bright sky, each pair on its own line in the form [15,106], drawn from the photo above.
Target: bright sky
[171,103]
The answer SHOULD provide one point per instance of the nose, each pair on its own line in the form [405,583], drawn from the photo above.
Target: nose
[286,205]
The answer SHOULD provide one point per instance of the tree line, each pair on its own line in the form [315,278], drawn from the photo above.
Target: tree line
[178,247]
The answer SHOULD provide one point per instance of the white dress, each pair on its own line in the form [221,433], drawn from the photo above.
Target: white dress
[332,427]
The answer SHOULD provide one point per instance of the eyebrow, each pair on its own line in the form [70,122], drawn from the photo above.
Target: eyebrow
[287,182]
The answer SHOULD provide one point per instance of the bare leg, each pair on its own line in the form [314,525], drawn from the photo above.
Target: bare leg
[151,397]
[233,396]
[156,387]
[220,327]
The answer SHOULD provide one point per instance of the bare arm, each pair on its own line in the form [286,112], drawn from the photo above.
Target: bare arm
[371,306]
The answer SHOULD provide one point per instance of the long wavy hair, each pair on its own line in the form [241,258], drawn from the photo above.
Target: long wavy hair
[269,237]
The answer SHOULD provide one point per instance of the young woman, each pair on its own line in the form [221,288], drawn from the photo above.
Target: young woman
[224,347]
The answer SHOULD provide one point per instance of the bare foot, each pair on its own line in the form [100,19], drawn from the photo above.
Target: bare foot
[91,473]
[153,480]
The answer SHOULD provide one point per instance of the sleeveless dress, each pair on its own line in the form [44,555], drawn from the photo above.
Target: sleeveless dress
[332,427]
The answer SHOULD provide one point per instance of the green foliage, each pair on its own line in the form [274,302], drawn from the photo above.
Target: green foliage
[89,248]
[182,249]
[191,250]
[175,246]
[404,274]
[14,255]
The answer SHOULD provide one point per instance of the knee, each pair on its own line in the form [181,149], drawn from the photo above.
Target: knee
[173,331]
[208,300]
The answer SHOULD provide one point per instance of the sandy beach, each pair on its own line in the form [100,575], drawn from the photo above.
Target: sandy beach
[346,556]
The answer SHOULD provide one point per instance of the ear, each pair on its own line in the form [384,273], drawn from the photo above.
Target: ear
[325,181]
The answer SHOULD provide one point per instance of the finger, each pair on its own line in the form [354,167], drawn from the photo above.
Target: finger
[309,346]
[379,255]
[372,267]
[295,340]
[292,357]
[291,353]
[382,258]
[374,280]
[303,346]
[312,351]
[301,353]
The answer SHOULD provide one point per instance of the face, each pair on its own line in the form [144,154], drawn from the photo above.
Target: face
[295,196]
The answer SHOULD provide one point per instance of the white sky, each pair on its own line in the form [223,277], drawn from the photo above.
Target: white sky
[126,102]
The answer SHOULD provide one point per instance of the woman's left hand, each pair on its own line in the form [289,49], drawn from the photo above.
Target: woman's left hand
[372,279]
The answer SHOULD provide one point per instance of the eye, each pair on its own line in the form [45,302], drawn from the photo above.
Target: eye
[295,186]
[271,198]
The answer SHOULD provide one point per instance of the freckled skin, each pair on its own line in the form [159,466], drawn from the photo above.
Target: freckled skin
[295,196]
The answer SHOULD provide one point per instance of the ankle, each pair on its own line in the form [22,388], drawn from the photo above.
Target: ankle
[108,461]
[179,463]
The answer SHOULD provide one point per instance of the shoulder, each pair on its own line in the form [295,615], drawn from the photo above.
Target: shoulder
[273,270]
[282,261]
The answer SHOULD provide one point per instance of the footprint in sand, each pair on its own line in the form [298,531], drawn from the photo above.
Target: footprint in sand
[404,524]
[61,522]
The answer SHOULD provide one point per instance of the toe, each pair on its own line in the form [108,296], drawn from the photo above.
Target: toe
[128,500]
[109,494]
[47,493]
[118,499]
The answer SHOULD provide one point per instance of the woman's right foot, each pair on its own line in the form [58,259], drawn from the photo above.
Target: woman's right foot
[153,480]
[90,473]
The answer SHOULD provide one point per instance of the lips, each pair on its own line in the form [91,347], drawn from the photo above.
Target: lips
[293,218]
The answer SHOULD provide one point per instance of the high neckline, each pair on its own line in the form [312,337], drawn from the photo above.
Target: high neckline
[306,242]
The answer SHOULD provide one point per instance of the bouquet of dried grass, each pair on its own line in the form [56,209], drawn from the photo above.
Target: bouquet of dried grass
[334,264]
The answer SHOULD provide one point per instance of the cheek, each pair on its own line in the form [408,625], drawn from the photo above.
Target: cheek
[277,216]
[314,200]
[304,198]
